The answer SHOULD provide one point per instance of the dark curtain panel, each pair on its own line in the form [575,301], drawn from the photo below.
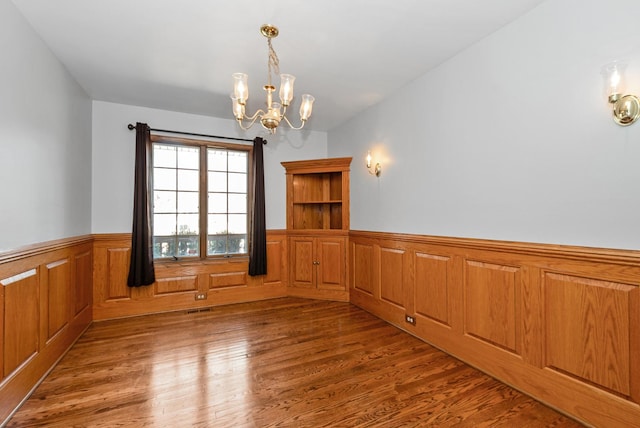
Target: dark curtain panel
[141,267]
[258,248]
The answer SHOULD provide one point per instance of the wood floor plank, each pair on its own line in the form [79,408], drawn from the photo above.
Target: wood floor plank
[279,363]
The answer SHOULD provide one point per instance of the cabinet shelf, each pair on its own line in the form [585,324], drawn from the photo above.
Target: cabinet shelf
[334,201]
[318,194]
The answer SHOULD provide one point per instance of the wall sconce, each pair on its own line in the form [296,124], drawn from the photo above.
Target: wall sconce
[626,108]
[377,169]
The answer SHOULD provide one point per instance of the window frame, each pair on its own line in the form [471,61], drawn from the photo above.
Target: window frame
[203,146]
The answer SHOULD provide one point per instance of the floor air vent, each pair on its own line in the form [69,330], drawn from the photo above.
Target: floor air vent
[195,311]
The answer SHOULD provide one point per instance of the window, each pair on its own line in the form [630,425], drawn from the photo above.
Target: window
[200,198]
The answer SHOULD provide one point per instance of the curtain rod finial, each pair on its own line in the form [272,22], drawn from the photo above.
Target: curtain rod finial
[131,127]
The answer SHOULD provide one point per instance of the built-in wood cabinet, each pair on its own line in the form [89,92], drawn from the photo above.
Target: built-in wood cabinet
[318,227]
[318,263]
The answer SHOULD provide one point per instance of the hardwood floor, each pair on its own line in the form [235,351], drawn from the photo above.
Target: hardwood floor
[277,363]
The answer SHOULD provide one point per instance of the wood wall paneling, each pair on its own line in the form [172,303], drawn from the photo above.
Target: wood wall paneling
[21,319]
[392,272]
[362,265]
[178,284]
[492,304]
[432,287]
[588,329]
[221,280]
[83,275]
[117,273]
[560,323]
[2,333]
[276,257]
[58,296]
[44,295]
[227,279]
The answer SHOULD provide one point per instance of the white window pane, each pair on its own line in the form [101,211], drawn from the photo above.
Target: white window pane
[237,244]
[164,179]
[217,224]
[164,202]
[188,202]
[217,181]
[238,161]
[217,203]
[189,157]
[237,183]
[188,246]
[164,156]
[188,180]
[164,224]
[217,160]
[164,246]
[188,224]
[217,244]
[238,203]
[237,223]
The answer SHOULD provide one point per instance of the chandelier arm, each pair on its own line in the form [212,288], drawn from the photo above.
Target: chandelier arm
[254,117]
[252,120]
[290,125]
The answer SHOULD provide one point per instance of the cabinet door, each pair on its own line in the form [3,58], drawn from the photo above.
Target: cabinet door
[330,253]
[302,269]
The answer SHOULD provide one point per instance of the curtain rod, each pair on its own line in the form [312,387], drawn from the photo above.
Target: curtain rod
[132,127]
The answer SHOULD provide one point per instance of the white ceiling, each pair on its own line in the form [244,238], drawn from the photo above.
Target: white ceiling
[179,54]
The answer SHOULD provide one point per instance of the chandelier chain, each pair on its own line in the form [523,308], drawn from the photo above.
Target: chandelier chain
[274,62]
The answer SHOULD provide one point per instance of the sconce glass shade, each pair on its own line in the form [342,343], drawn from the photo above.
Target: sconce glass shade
[240,88]
[613,74]
[286,88]
[306,107]
[626,108]
[377,170]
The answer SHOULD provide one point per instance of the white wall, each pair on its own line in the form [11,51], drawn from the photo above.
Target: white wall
[114,154]
[45,141]
[511,139]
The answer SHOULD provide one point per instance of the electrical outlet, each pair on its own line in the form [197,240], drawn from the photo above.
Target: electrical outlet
[411,320]
[201,296]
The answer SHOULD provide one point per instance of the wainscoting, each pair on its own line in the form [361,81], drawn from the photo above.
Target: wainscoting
[559,323]
[177,283]
[45,305]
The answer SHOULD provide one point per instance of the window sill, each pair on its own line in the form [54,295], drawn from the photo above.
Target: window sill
[201,262]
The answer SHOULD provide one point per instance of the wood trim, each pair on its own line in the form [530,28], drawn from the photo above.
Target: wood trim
[42,248]
[559,323]
[592,254]
[317,165]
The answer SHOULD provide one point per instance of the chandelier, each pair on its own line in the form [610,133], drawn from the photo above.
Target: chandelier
[274,115]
